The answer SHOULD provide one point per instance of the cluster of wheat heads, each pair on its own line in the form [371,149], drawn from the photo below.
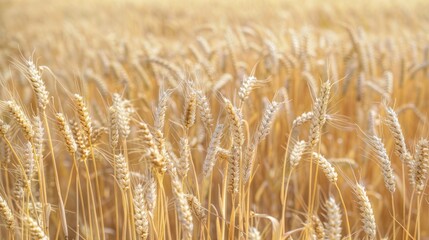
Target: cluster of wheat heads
[151,127]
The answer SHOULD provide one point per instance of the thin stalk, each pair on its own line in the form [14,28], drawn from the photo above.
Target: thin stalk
[57,181]
[345,211]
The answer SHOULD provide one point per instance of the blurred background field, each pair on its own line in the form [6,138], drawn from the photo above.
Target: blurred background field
[375,55]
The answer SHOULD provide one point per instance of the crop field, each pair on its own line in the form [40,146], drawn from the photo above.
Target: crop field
[197,119]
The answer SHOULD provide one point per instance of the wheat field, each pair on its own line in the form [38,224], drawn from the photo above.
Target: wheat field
[206,119]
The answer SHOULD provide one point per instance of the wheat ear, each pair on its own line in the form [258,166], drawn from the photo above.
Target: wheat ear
[333,217]
[383,158]
[210,159]
[297,152]
[319,114]
[21,119]
[35,230]
[421,164]
[38,85]
[66,132]
[122,172]
[6,214]
[366,212]
[182,206]
[327,168]
[141,219]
